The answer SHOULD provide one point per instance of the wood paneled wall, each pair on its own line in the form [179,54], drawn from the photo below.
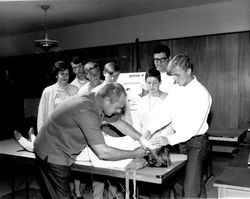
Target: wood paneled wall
[221,63]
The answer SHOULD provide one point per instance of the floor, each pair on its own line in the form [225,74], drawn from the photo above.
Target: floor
[219,163]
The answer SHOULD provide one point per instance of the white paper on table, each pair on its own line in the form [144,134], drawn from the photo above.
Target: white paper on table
[124,143]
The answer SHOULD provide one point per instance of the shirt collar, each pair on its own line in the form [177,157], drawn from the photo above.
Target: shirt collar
[193,81]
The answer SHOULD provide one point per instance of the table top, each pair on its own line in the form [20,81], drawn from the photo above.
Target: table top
[237,174]
[224,134]
[227,132]
[241,159]
[11,149]
[234,178]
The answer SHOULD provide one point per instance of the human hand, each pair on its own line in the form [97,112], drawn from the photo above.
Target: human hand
[144,138]
[147,144]
[159,141]
[136,164]
[146,134]
[139,152]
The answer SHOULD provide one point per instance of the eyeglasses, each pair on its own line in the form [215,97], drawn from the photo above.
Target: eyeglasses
[92,67]
[160,60]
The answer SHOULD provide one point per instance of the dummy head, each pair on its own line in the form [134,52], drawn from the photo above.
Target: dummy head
[158,157]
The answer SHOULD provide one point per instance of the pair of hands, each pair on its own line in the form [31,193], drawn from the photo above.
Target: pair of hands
[150,143]
[153,142]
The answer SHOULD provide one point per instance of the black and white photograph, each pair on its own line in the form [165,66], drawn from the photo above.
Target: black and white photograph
[125,99]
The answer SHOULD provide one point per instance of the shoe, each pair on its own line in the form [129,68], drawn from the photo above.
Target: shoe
[31,133]
[24,143]
[17,135]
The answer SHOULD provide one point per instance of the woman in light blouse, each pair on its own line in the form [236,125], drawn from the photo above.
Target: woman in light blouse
[51,97]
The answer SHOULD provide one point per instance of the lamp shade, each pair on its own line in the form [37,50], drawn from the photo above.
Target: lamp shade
[46,44]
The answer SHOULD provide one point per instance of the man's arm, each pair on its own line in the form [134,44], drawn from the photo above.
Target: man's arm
[106,152]
[126,128]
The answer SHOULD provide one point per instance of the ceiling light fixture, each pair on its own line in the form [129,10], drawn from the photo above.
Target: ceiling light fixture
[46,44]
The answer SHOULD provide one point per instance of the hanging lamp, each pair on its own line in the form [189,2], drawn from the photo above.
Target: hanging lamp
[46,44]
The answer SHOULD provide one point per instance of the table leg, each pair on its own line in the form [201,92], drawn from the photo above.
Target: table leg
[27,186]
[12,187]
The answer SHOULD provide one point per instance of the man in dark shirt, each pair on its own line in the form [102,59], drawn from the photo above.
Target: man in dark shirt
[75,124]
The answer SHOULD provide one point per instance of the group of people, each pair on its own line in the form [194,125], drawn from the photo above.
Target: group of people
[71,116]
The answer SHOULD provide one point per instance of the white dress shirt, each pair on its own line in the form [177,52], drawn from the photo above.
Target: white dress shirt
[78,83]
[187,108]
[167,82]
[87,88]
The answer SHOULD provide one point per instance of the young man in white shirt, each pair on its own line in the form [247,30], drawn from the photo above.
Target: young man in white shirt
[187,110]
[78,70]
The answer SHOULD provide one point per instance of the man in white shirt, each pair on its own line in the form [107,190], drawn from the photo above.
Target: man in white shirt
[161,57]
[78,70]
[187,110]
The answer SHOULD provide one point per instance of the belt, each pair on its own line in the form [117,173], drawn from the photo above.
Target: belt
[199,136]
[205,134]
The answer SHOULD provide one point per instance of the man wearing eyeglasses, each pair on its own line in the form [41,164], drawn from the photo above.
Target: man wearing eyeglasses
[92,72]
[161,57]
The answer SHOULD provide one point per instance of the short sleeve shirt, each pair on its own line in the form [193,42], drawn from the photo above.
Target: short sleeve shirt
[75,123]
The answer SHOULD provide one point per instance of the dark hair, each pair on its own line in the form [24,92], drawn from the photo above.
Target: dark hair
[89,66]
[76,60]
[158,157]
[162,49]
[60,66]
[152,72]
[112,90]
[111,66]
[183,61]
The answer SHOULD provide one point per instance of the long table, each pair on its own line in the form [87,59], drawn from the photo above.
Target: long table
[226,140]
[10,150]
[234,181]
